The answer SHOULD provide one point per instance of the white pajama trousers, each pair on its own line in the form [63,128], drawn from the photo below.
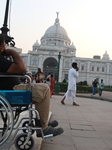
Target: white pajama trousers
[70,94]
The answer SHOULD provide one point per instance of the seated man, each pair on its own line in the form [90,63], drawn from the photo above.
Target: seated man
[41,103]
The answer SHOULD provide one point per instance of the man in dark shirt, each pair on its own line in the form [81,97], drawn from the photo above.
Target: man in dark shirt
[17,67]
[6,83]
[95,84]
[7,66]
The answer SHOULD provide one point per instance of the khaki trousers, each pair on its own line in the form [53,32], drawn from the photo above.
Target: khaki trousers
[41,98]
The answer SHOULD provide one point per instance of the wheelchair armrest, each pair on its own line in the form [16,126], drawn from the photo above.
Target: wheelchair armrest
[15,75]
[11,75]
[1,73]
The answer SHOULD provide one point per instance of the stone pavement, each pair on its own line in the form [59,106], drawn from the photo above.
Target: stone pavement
[86,127]
[9,144]
[106,96]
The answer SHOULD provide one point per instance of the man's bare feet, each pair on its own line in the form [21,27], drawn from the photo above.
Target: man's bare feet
[75,104]
[62,101]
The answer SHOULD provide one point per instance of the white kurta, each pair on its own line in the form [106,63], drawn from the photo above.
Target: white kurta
[72,75]
[71,92]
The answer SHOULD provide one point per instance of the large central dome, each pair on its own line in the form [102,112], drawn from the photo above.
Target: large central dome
[56,29]
[55,35]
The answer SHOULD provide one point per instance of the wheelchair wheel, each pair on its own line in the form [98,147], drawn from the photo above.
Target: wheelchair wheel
[6,119]
[20,140]
[26,124]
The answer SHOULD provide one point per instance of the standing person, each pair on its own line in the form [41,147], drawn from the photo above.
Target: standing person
[33,79]
[52,81]
[101,87]
[48,79]
[95,84]
[48,82]
[48,76]
[39,76]
[71,92]
[40,91]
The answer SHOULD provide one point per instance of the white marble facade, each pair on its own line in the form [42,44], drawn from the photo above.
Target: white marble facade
[55,40]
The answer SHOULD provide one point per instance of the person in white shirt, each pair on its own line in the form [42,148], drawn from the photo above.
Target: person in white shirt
[71,92]
[48,76]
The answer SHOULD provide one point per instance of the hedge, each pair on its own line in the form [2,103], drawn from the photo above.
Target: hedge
[63,87]
[80,88]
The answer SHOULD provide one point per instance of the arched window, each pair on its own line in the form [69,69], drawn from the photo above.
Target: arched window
[92,68]
[82,68]
[97,68]
[50,65]
[102,69]
[67,64]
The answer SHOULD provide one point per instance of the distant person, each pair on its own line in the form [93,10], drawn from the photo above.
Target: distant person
[48,76]
[48,82]
[95,84]
[52,84]
[33,79]
[39,76]
[101,87]
[22,80]
[71,92]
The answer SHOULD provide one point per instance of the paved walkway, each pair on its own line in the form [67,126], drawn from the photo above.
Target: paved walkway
[86,127]
[106,96]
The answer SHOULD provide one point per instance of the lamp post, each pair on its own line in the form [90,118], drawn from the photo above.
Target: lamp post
[57,87]
[4,29]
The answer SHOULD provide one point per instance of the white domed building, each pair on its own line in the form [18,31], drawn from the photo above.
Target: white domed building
[55,41]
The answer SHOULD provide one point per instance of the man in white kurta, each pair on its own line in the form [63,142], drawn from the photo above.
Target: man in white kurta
[71,92]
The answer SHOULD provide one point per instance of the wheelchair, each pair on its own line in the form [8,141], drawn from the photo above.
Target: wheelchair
[12,104]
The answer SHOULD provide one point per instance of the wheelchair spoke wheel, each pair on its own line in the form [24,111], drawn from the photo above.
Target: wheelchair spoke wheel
[6,119]
[20,140]
[26,124]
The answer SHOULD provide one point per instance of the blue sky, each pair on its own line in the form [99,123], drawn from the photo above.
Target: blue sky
[87,22]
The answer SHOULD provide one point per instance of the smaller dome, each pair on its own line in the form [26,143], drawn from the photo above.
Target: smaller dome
[36,44]
[72,48]
[106,56]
